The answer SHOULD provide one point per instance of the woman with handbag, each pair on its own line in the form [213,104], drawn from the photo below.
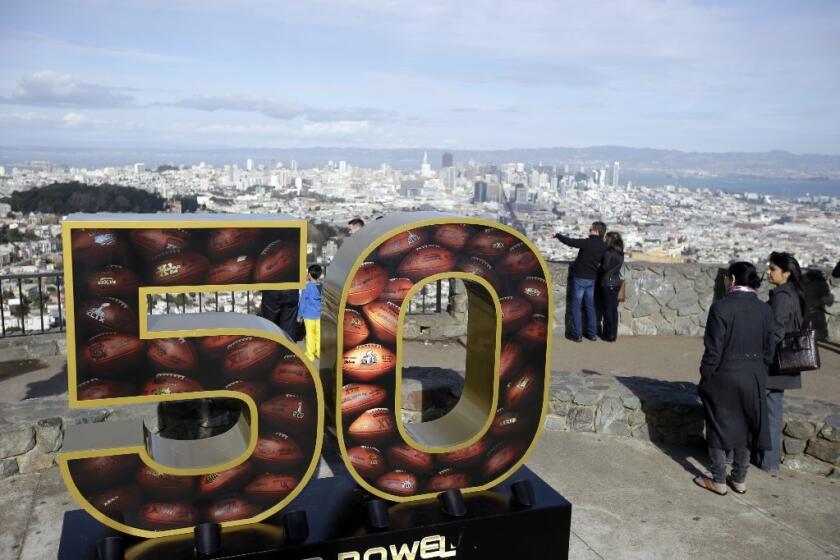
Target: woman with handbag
[611,283]
[733,373]
[787,301]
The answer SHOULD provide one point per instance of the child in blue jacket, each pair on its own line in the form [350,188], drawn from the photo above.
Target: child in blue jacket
[309,311]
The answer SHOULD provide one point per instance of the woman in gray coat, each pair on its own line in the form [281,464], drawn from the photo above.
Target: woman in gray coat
[787,301]
[739,348]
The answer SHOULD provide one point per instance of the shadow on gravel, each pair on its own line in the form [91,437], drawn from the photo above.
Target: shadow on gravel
[55,385]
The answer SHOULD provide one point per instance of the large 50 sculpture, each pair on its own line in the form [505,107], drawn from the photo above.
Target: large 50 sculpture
[163,481]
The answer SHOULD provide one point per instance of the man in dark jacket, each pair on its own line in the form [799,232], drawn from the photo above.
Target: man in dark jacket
[836,271]
[585,271]
[280,307]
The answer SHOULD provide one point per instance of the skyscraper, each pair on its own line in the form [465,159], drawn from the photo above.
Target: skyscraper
[615,175]
[249,164]
[448,160]
[480,192]
[425,167]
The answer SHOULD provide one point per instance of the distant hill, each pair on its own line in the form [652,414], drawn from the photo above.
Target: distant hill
[66,198]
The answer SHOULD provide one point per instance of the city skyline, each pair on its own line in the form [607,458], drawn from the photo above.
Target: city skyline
[683,75]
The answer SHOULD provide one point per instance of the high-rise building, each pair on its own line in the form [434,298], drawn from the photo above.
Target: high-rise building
[448,160]
[249,164]
[2,171]
[615,175]
[342,167]
[411,187]
[139,168]
[480,192]
[425,167]
[272,164]
[293,165]
[521,193]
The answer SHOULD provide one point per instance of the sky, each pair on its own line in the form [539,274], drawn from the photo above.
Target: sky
[468,74]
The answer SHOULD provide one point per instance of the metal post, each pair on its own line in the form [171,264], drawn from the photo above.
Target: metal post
[2,313]
[200,308]
[41,302]
[20,306]
[247,302]
[439,295]
[59,279]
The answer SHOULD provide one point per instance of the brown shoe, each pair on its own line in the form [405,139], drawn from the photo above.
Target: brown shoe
[737,487]
[711,485]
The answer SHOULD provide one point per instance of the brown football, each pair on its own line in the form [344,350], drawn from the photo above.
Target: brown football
[103,472]
[501,457]
[481,268]
[368,362]
[175,268]
[215,346]
[169,383]
[167,515]
[368,461]
[117,503]
[510,359]
[270,487]
[490,244]
[447,479]
[107,314]
[93,247]
[383,316]
[176,355]
[402,243]
[400,483]
[519,260]
[113,354]
[105,389]
[367,284]
[425,261]
[151,242]
[507,422]
[291,375]
[235,270]
[534,290]
[396,290]
[257,390]
[373,426]
[114,281]
[223,482]
[522,389]
[403,456]
[277,452]
[289,413]
[356,328]
[278,262]
[163,484]
[231,508]
[534,333]
[452,236]
[515,313]
[358,397]
[249,357]
[230,242]
[465,456]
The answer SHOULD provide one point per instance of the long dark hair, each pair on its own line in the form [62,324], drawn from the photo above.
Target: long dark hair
[788,263]
[745,274]
[615,242]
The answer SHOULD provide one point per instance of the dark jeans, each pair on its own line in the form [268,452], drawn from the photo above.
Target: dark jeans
[771,459]
[740,463]
[609,303]
[583,291]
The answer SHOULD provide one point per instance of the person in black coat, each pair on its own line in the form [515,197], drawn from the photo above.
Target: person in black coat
[610,283]
[280,307]
[733,371]
[787,301]
[585,272]
[836,272]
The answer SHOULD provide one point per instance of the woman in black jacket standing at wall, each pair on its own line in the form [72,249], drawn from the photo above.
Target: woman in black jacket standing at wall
[787,301]
[733,372]
[610,283]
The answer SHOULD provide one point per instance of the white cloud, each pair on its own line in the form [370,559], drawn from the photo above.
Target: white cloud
[27,116]
[75,119]
[281,110]
[54,89]
[332,129]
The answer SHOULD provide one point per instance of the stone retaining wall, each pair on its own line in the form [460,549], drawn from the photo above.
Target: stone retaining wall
[32,347]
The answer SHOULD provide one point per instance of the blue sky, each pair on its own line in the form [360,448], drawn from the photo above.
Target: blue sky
[483,74]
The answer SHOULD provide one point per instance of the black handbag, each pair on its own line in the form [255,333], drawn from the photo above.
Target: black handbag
[798,351]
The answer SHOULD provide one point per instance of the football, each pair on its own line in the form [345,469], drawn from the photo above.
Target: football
[515,313]
[235,270]
[257,390]
[534,333]
[507,422]
[249,357]
[174,268]
[402,243]
[270,487]
[292,376]
[447,479]
[509,358]
[522,389]
[403,456]
[501,457]
[535,291]
[231,508]
[368,461]
[356,329]
[277,452]
[400,483]
[277,262]
[103,472]
[167,515]
[230,242]
[113,354]
[94,247]
[169,383]
[519,260]
[163,484]
[215,346]
[151,242]
[368,362]
[383,316]
[465,456]
[176,355]
[104,389]
[452,236]
[482,268]
[425,261]
[367,284]
[223,482]
[490,244]
[117,502]
[358,397]
[114,281]
[373,426]
[396,290]
[289,413]
[107,314]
